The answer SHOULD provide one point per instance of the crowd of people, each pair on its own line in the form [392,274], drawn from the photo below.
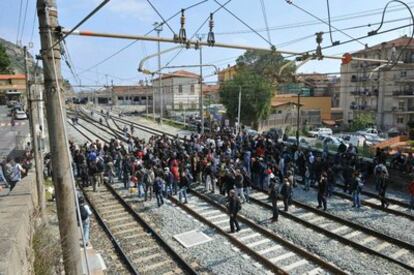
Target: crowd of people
[224,162]
[12,170]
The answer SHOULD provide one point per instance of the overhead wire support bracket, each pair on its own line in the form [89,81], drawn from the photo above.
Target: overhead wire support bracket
[217,44]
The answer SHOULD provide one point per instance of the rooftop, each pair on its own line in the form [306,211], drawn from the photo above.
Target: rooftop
[398,42]
[12,76]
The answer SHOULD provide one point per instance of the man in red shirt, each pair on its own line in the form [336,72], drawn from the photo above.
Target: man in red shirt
[411,192]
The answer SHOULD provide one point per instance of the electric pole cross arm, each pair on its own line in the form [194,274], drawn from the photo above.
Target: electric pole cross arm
[216,44]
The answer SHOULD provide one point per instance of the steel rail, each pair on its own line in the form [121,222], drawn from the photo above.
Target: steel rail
[163,243]
[340,238]
[266,232]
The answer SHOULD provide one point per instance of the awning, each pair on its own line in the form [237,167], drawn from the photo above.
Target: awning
[329,122]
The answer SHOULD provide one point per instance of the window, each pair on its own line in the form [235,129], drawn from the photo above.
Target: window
[400,120]
[180,89]
[192,89]
[401,105]
[403,73]
[180,105]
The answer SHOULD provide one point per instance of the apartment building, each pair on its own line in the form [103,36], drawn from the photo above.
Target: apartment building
[386,92]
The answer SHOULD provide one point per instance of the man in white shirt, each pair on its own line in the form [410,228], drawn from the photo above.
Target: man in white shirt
[16,174]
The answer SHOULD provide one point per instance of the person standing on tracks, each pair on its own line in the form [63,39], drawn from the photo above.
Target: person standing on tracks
[85,213]
[411,193]
[158,186]
[383,185]
[379,170]
[233,206]
[183,184]
[286,193]
[149,178]
[274,194]
[356,189]
[323,191]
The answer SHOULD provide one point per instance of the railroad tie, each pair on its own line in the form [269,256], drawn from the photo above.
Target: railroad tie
[282,257]
[294,265]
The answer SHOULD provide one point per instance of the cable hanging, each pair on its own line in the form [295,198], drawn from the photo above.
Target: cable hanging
[330,28]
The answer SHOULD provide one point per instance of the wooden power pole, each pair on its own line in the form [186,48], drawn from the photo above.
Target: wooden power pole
[62,177]
[34,125]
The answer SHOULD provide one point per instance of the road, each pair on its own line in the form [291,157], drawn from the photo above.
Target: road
[8,133]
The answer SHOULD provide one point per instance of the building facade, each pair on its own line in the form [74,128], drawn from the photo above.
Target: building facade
[180,91]
[385,92]
[12,87]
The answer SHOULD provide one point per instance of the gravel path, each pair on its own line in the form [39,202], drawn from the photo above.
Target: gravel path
[351,260]
[395,226]
[217,256]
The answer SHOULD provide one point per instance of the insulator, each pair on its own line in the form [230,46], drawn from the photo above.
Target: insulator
[319,37]
[197,45]
[211,23]
[210,37]
[182,36]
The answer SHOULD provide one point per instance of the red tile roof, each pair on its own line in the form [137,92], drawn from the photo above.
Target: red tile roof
[210,89]
[12,76]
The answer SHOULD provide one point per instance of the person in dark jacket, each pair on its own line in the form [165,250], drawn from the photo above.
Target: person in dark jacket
[183,184]
[356,188]
[383,184]
[274,194]
[323,191]
[158,186]
[233,206]
[286,193]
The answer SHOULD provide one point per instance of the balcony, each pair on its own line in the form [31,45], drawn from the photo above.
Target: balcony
[365,92]
[362,107]
[405,110]
[406,93]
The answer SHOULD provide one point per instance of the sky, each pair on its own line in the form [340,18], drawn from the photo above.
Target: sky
[291,29]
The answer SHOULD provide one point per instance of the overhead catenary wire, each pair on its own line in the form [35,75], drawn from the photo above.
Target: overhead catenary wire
[86,18]
[243,22]
[24,20]
[133,42]
[19,21]
[160,15]
[329,22]
[196,32]
[323,21]
[310,23]
[262,4]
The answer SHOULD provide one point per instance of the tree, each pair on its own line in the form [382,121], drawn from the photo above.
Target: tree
[256,97]
[4,61]
[268,64]
[361,122]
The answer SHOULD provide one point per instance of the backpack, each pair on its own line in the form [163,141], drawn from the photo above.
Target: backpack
[100,166]
[83,212]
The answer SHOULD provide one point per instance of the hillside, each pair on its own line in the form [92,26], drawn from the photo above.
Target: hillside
[16,56]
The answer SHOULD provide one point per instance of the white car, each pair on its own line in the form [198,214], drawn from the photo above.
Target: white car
[320,132]
[20,115]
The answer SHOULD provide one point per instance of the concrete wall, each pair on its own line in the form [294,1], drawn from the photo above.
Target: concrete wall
[17,227]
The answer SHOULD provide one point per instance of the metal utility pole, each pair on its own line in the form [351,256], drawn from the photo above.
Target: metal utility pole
[238,110]
[62,177]
[34,124]
[298,120]
[201,92]
[112,94]
[158,28]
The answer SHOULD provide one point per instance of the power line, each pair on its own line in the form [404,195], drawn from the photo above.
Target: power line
[24,20]
[265,19]
[133,42]
[244,23]
[349,16]
[19,21]
[323,21]
[33,26]
[160,15]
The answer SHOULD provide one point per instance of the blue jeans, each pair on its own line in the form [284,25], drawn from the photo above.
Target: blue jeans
[140,189]
[247,193]
[86,225]
[182,193]
[356,199]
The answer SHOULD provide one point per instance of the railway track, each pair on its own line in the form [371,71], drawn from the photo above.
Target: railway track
[347,232]
[138,244]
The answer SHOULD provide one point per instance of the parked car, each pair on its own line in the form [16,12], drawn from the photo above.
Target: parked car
[273,132]
[320,131]
[292,141]
[251,132]
[19,114]
[11,103]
